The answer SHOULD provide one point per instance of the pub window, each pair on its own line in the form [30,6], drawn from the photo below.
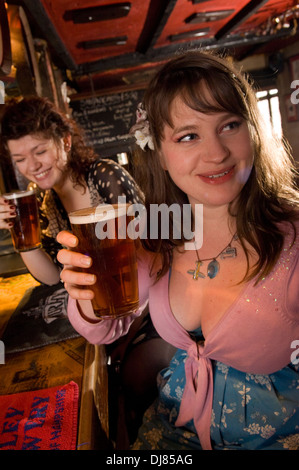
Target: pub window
[268,103]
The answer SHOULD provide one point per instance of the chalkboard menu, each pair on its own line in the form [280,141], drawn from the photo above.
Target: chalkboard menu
[107,120]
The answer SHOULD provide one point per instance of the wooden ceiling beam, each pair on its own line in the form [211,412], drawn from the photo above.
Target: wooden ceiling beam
[157,17]
[38,12]
[127,61]
[246,12]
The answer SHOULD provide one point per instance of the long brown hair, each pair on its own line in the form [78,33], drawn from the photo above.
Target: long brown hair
[38,116]
[269,196]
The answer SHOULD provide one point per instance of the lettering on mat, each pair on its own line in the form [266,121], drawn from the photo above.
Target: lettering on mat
[10,436]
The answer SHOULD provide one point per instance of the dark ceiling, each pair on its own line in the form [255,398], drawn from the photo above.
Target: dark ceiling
[111,43]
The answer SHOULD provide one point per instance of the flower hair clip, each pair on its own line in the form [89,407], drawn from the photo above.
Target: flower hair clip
[141,129]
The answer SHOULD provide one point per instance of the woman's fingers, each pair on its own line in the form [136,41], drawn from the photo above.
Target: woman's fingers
[67,239]
[72,258]
[77,293]
[77,278]
[76,283]
[7,213]
[69,257]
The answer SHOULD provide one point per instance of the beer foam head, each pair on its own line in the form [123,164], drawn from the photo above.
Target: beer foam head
[101,213]
[17,194]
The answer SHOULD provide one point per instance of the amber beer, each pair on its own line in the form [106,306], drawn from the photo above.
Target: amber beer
[103,235]
[25,233]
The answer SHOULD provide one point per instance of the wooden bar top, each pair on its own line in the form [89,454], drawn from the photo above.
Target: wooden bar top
[48,366]
[58,364]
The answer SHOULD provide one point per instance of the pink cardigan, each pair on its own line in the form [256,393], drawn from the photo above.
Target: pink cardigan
[254,335]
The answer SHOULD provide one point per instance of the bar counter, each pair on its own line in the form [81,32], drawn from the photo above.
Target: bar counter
[57,364]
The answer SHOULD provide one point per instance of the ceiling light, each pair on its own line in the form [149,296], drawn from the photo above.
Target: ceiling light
[117,41]
[189,34]
[204,17]
[100,13]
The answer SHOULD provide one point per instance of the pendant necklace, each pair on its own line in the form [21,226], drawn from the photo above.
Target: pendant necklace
[213,266]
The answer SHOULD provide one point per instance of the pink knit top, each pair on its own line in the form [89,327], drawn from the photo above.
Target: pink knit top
[254,335]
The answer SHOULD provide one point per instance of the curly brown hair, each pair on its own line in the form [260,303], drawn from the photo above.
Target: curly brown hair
[39,116]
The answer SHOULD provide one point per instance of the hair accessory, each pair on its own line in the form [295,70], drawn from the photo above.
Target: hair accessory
[213,266]
[141,129]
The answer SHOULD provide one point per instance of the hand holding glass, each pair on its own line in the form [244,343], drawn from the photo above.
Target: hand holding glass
[25,232]
[103,235]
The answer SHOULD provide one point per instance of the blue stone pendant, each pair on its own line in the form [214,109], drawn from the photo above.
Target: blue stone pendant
[213,269]
[213,266]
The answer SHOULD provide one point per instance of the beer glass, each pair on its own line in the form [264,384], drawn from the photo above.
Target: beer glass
[103,235]
[25,233]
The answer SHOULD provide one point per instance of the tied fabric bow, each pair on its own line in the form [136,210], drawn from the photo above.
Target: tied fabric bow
[197,401]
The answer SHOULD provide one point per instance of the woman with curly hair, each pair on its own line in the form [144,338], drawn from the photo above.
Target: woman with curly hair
[48,149]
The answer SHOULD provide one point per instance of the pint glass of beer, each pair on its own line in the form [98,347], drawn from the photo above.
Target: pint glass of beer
[103,235]
[25,233]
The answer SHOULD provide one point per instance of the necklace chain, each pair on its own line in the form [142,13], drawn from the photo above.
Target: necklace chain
[213,266]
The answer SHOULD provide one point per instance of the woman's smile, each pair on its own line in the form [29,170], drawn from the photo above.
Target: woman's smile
[42,175]
[217,177]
